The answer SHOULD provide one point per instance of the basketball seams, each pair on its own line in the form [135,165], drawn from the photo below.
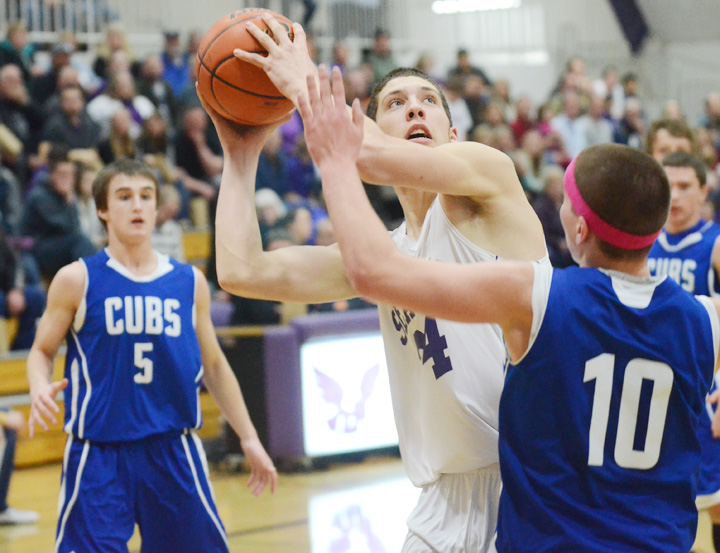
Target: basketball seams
[214,75]
[228,93]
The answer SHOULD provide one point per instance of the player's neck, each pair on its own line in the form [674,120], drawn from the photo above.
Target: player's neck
[415,205]
[139,259]
[671,228]
[633,267]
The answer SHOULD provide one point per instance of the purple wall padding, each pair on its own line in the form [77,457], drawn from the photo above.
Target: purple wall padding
[283,394]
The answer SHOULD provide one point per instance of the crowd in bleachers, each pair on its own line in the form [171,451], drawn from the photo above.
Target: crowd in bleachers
[61,122]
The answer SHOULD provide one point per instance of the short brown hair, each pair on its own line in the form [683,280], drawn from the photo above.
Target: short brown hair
[372,106]
[676,128]
[627,189]
[129,167]
[683,159]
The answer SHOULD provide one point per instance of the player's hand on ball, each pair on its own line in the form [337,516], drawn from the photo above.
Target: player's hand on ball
[287,62]
[262,471]
[235,137]
[332,134]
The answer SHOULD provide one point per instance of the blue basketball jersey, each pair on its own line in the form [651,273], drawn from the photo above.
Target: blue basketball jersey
[133,358]
[686,257]
[598,444]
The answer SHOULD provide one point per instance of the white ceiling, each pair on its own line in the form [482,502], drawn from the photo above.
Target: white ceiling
[682,20]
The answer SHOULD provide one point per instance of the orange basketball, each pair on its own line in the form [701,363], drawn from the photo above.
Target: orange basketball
[234,88]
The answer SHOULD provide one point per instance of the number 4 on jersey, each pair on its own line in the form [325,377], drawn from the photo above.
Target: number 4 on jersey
[433,345]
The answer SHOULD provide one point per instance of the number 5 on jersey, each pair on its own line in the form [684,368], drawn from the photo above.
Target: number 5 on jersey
[143,363]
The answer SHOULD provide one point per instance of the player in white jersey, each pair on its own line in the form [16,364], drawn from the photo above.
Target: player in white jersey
[598,415]
[445,393]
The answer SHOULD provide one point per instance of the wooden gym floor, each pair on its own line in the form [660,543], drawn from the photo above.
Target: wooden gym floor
[338,509]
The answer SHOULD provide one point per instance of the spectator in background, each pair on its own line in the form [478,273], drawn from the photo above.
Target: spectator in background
[115,41]
[87,210]
[11,422]
[299,224]
[358,85]
[710,120]
[167,236]
[340,54]
[72,126]
[463,68]
[273,166]
[270,209]
[156,88]
[666,136]
[10,201]
[459,111]
[630,130]
[175,70]
[21,117]
[19,296]
[45,85]
[597,128]
[380,58]
[67,76]
[303,178]
[198,152]
[120,93]
[531,163]
[569,125]
[501,96]
[477,98]
[547,206]
[524,120]
[672,110]
[629,84]
[608,87]
[120,143]
[16,50]
[50,216]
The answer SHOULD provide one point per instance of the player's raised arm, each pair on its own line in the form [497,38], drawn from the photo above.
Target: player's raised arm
[487,292]
[387,157]
[309,274]
[64,297]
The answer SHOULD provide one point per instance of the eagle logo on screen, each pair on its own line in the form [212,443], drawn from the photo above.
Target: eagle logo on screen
[348,411]
[355,529]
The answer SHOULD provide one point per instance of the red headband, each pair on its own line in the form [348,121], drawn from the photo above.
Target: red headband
[603,230]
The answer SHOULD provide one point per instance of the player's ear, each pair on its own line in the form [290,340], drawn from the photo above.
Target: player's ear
[453,134]
[102,214]
[582,231]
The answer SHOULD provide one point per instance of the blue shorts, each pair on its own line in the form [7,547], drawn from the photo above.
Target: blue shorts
[160,483]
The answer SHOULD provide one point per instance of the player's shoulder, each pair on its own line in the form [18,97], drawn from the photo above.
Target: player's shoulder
[71,276]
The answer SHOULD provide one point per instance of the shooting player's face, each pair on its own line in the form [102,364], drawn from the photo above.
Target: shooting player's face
[410,107]
[131,208]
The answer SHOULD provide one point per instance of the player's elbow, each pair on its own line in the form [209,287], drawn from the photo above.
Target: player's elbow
[365,276]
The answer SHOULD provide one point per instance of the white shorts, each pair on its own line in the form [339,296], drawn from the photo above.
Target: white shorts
[456,514]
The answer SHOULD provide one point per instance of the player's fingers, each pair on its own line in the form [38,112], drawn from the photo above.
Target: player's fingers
[58,386]
[279,33]
[358,116]
[38,419]
[255,59]
[338,89]
[31,425]
[325,92]
[313,94]
[299,38]
[265,40]
[714,397]
[46,408]
[304,109]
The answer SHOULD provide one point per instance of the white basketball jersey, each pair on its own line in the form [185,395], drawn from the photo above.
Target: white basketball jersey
[445,377]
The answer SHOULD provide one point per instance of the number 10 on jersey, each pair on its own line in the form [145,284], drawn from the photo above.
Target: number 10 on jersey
[601,369]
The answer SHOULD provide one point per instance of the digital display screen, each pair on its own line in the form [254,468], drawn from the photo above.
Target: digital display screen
[345,395]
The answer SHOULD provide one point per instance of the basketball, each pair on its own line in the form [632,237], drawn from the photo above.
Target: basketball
[238,90]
